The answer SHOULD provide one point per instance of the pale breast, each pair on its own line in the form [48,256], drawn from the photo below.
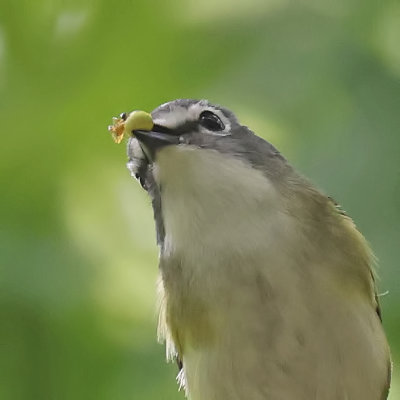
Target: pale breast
[254,314]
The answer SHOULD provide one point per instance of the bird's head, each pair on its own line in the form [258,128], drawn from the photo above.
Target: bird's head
[194,156]
[197,127]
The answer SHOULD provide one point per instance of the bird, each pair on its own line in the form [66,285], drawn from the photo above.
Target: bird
[266,287]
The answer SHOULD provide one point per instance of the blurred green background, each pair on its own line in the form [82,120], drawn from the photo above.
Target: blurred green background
[319,79]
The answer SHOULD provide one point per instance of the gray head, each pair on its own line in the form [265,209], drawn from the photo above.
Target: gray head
[197,123]
[196,128]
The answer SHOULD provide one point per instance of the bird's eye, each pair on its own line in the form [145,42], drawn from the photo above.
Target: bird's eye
[211,121]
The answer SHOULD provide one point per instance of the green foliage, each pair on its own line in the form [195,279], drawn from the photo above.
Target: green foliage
[78,258]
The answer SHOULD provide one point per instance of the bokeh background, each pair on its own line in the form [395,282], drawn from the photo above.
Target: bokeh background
[78,258]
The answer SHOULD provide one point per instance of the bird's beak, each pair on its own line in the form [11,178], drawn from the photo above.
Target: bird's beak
[140,124]
[150,136]
[151,141]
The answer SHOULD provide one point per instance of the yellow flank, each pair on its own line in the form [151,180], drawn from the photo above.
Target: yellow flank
[137,120]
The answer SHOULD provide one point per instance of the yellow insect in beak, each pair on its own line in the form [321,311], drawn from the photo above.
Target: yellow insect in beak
[135,121]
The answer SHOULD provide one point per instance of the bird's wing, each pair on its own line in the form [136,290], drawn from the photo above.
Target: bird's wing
[378,310]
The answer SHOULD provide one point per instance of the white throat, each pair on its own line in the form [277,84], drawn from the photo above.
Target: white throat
[213,200]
